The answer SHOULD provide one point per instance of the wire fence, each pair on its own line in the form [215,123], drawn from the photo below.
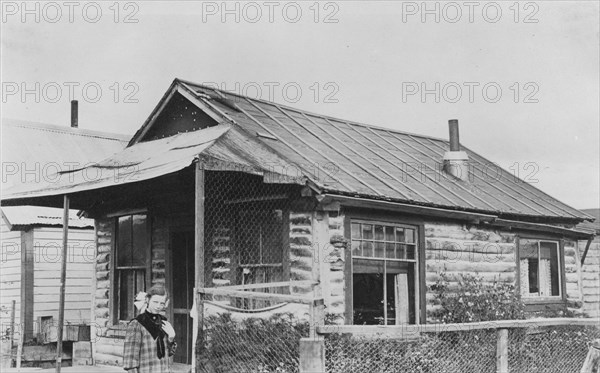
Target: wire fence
[247,240]
[551,349]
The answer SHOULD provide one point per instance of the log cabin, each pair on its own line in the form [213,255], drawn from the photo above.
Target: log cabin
[218,190]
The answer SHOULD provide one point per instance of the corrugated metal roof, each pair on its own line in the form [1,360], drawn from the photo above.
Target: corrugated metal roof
[221,147]
[382,163]
[337,156]
[36,150]
[18,216]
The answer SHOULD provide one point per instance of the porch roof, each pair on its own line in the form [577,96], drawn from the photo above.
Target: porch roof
[221,147]
[333,155]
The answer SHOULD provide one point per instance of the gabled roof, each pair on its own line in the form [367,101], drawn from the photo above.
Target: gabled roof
[334,156]
[27,216]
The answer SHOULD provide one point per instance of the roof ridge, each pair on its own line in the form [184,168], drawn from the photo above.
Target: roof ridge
[307,112]
[49,127]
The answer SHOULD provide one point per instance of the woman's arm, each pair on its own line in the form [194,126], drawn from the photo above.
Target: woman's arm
[132,347]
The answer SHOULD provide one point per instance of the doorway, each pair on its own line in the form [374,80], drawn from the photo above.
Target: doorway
[182,285]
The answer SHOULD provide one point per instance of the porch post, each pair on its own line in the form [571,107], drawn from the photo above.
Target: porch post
[63,277]
[199,258]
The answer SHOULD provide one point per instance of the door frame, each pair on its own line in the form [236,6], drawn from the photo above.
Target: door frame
[169,264]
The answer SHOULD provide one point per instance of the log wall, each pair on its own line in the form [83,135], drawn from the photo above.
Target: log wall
[590,278]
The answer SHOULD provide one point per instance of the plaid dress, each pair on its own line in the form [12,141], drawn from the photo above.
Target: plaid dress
[140,352]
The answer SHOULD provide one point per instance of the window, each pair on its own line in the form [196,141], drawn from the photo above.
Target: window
[540,268]
[260,251]
[384,261]
[132,245]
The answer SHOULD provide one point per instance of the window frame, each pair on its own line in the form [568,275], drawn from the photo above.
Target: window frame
[385,218]
[114,299]
[533,301]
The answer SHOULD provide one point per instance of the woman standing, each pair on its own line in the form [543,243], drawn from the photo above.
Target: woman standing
[150,338]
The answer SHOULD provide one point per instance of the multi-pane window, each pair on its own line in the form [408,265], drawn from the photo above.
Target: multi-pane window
[540,268]
[384,258]
[260,250]
[131,262]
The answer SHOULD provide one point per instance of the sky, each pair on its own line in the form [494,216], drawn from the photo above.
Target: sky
[522,78]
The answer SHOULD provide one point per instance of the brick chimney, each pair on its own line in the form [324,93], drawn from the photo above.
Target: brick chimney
[456,161]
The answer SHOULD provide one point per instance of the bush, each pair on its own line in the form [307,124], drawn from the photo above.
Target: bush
[475,300]
[254,344]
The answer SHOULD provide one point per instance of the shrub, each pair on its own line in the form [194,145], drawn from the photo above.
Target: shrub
[254,344]
[474,300]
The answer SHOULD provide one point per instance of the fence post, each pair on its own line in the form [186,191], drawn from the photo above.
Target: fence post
[312,349]
[502,351]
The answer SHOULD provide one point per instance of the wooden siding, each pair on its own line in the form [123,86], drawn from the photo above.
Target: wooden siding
[10,278]
[47,256]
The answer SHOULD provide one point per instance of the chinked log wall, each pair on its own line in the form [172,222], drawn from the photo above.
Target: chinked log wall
[108,347]
[458,248]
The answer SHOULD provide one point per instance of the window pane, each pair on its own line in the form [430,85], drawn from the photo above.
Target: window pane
[390,253]
[400,235]
[549,262]
[410,252]
[528,249]
[367,232]
[379,232]
[271,237]
[389,234]
[400,251]
[131,282]
[367,289]
[533,275]
[367,248]
[124,244]
[379,249]
[355,231]
[409,235]
[140,242]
